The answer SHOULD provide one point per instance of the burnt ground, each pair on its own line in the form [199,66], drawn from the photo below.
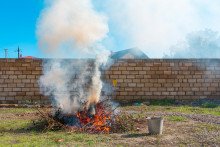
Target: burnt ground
[17,128]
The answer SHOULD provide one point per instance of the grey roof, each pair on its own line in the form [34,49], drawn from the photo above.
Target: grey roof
[135,52]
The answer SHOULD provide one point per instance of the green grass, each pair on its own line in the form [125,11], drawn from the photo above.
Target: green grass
[180,109]
[17,132]
[17,110]
[14,124]
[177,118]
[196,110]
[49,139]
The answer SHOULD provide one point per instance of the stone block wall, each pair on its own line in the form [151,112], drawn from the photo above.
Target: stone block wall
[178,79]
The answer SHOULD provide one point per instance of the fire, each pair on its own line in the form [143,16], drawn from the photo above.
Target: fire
[99,122]
[98,118]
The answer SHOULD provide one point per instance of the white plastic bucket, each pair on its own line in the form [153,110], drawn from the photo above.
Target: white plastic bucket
[155,125]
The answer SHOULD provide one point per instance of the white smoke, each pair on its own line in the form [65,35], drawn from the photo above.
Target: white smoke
[75,25]
[60,82]
[199,44]
[70,23]
[101,60]
[155,25]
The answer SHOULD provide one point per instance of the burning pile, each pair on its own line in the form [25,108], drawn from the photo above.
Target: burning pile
[96,119]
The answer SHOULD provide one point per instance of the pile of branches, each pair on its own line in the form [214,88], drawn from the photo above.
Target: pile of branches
[121,122]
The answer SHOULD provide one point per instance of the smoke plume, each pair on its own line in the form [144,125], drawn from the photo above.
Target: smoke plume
[75,25]
[70,23]
[155,25]
[199,44]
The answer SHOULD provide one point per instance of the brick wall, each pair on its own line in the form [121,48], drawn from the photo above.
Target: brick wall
[178,79]
[18,80]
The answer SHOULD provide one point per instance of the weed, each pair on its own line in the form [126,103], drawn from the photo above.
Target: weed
[209,105]
[124,122]
[165,102]
[177,118]
[140,101]
[139,117]
[158,141]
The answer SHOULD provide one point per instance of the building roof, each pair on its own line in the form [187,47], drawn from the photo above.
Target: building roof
[132,53]
[29,57]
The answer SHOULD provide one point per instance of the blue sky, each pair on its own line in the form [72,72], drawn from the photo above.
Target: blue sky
[17,26]
[154,26]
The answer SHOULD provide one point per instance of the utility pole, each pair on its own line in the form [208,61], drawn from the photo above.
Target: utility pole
[18,52]
[6,53]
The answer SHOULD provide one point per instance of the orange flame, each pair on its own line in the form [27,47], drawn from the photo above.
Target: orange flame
[96,123]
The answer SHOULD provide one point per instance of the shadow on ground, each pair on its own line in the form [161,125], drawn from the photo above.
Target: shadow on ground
[135,135]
